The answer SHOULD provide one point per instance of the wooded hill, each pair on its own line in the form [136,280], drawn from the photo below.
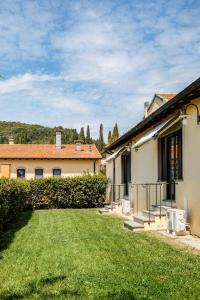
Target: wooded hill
[36,134]
[33,134]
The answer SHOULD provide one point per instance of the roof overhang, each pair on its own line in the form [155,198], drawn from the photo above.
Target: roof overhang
[155,131]
[117,153]
[184,97]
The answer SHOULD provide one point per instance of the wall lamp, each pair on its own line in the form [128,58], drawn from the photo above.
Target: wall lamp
[184,116]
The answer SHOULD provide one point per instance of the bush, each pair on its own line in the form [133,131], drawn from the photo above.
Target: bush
[73,192]
[13,196]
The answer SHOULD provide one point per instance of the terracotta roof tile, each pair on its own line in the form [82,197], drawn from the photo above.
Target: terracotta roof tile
[167,96]
[48,151]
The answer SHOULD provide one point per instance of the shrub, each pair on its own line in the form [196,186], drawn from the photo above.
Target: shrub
[13,196]
[73,192]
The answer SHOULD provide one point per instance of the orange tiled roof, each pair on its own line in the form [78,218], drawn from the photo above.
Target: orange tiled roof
[167,96]
[48,151]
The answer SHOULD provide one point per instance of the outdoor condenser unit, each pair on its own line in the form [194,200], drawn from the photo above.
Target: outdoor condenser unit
[170,220]
[179,222]
[176,221]
[126,206]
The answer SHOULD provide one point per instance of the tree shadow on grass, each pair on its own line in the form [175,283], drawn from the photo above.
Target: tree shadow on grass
[45,289]
[39,289]
[8,235]
[120,295]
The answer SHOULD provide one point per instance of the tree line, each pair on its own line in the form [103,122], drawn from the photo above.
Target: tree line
[36,134]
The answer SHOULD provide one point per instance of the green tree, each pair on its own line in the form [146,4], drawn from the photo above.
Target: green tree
[100,142]
[101,138]
[88,138]
[109,136]
[82,135]
[115,133]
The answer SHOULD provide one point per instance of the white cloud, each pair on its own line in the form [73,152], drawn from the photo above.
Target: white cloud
[80,62]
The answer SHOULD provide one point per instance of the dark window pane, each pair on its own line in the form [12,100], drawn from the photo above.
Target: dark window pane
[56,172]
[20,173]
[38,173]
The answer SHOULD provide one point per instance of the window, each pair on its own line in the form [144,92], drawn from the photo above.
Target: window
[21,173]
[171,161]
[39,173]
[57,172]
[170,157]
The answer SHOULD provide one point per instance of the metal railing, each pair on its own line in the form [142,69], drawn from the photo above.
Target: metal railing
[150,189]
[117,191]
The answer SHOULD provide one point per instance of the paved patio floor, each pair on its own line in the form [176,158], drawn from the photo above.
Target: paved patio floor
[188,240]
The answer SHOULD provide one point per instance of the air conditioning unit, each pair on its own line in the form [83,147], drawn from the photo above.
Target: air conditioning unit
[126,207]
[176,221]
[179,222]
[170,220]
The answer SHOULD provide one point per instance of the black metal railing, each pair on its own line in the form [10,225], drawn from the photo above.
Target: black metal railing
[154,189]
[117,191]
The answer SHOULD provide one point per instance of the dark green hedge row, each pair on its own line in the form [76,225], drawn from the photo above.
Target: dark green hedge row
[13,196]
[73,192]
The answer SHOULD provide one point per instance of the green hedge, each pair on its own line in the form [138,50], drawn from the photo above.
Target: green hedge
[72,192]
[13,197]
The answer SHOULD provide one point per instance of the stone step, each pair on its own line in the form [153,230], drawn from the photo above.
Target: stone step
[164,207]
[133,225]
[109,206]
[142,219]
[154,213]
[104,210]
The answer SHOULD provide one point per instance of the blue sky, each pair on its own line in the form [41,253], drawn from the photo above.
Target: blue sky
[74,63]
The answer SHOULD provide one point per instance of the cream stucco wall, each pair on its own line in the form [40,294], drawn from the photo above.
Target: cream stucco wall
[69,167]
[118,176]
[155,105]
[144,165]
[188,190]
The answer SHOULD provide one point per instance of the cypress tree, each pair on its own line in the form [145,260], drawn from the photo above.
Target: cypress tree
[115,133]
[109,137]
[88,138]
[82,135]
[100,142]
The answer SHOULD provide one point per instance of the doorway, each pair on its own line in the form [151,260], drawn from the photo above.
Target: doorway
[171,161]
[126,171]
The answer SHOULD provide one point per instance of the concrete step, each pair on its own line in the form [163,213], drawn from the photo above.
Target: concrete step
[154,213]
[108,206]
[133,225]
[117,202]
[142,219]
[103,210]
[163,207]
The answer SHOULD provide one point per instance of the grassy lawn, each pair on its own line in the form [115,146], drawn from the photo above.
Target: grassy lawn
[78,254]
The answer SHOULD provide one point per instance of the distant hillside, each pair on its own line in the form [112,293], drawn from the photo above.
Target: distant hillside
[33,134]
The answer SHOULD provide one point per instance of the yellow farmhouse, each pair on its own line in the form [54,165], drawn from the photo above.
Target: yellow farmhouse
[157,162]
[48,160]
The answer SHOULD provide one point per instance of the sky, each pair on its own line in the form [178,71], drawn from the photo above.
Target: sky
[73,63]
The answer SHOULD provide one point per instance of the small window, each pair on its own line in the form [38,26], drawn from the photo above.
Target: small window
[21,173]
[56,172]
[39,173]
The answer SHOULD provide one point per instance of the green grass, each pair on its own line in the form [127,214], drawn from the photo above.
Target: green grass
[78,254]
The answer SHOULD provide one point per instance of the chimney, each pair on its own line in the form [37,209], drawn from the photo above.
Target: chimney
[90,148]
[78,145]
[58,132]
[11,140]
[146,106]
